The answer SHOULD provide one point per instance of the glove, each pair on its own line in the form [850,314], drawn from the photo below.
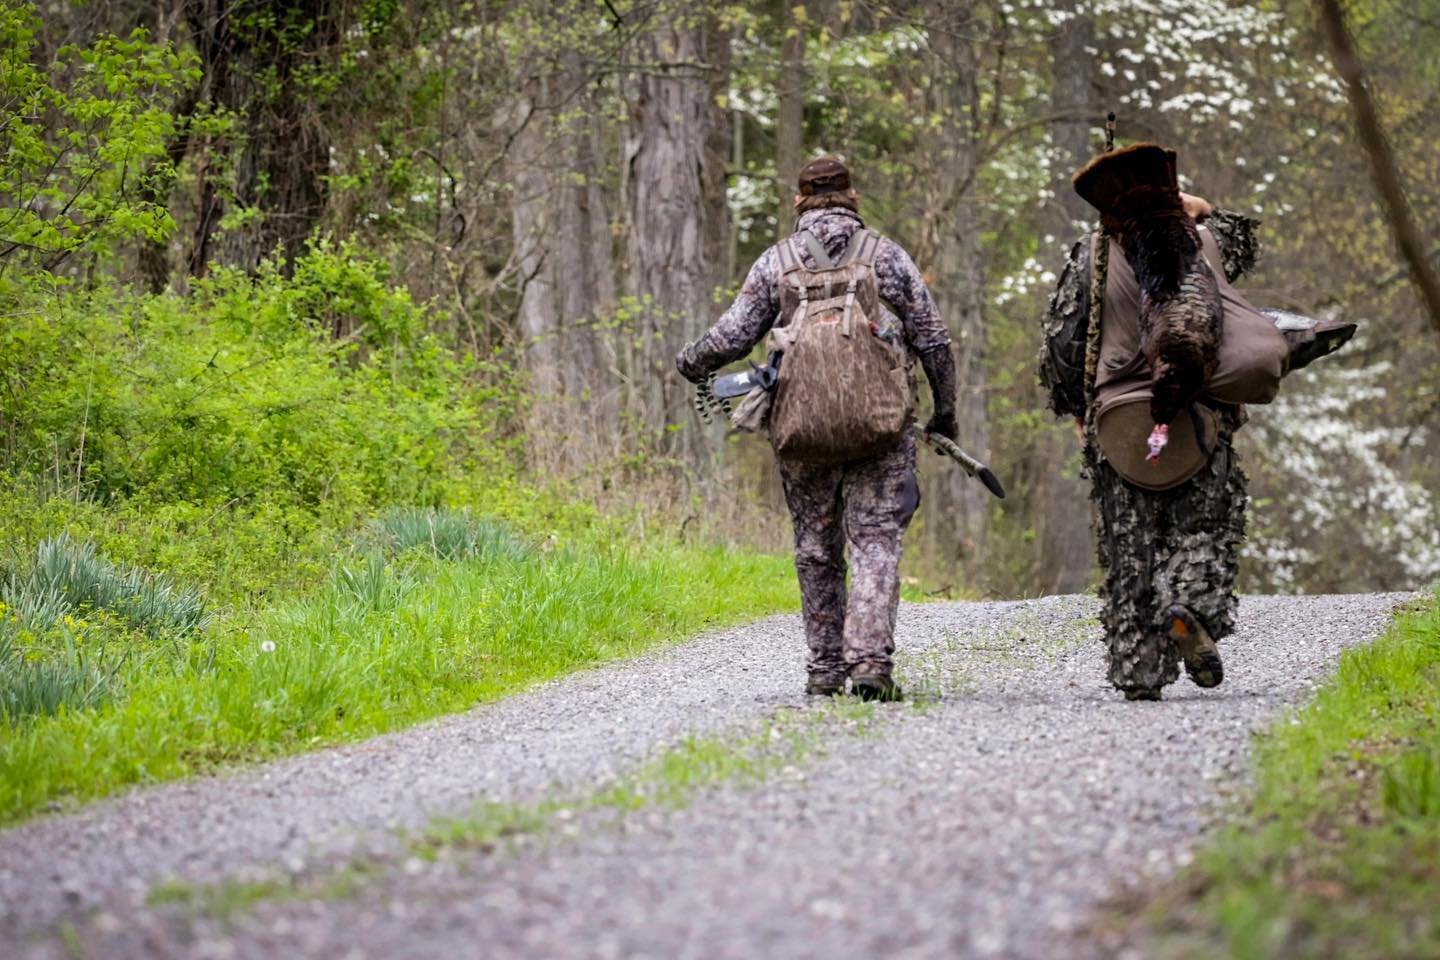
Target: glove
[943,424]
[689,369]
[939,366]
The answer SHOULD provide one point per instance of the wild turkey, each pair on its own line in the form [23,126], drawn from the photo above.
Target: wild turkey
[1180,309]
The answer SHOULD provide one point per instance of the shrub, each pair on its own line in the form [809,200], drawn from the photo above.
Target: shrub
[239,393]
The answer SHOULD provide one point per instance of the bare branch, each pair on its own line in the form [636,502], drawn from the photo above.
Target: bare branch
[1383,170]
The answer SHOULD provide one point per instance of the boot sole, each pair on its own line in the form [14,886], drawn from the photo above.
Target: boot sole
[1202,660]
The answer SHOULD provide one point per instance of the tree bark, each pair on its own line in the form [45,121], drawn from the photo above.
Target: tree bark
[255,73]
[1061,509]
[675,219]
[790,117]
[561,230]
[959,508]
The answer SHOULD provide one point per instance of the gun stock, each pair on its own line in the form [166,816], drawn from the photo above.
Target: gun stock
[947,447]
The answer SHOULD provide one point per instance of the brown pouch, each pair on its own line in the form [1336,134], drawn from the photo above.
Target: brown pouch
[753,413]
[1122,426]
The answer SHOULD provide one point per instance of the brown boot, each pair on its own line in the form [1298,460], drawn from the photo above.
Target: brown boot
[824,684]
[1197,647]
[875,685]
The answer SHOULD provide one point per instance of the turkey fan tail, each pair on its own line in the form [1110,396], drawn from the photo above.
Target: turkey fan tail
[1136,181]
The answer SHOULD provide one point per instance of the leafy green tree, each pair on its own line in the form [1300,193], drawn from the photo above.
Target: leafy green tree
[84,144]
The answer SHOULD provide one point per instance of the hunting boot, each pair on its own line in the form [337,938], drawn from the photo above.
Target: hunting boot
[1141,693]
[821,683]
[874,684]
[1197,647]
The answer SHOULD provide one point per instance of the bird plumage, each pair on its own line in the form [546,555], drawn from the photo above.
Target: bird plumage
[1136,192]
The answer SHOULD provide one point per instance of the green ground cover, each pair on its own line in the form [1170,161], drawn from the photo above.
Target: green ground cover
[273,513]
[383,642]
[1340,853]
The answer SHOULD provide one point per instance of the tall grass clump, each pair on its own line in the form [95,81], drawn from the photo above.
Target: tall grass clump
[70,619]
[31,687]
[446,534]
[67,577]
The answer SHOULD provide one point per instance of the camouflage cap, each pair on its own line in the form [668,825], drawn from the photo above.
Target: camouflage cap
[826,175]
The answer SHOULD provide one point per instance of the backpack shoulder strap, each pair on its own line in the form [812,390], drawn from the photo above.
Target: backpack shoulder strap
[817,250]
[789,258]
[864,245]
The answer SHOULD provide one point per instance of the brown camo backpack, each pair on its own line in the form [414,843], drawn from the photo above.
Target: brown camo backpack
[844,390]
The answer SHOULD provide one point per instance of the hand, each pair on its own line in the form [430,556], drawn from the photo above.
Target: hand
[943,424]
[1197,208]
[689,369]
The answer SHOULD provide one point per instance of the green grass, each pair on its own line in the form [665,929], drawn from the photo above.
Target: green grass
[227,533]
[1340,853]
[381,644]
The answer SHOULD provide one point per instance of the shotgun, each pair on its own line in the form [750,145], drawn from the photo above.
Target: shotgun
[718,393]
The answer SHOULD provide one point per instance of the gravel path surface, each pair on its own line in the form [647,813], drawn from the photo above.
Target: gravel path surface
[989,820]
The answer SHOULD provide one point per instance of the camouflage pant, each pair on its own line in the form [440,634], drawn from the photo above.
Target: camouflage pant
[864,506]
[1178,546]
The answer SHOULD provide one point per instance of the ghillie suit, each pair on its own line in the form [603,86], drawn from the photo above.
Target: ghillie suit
[1136,192]
[1178,545]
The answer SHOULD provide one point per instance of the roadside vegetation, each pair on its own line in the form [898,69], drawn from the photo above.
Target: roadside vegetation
[228,535]
[1339,855]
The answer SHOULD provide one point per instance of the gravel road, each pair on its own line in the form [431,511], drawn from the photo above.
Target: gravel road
[989,818]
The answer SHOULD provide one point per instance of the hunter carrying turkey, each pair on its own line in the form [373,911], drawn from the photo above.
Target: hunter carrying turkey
[1158,386]
[841,422]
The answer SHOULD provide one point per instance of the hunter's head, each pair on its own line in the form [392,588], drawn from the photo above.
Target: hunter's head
[825,183]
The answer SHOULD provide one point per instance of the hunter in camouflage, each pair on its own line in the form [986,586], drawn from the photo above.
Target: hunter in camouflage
[864,504]
[1158,548]
[1173,550]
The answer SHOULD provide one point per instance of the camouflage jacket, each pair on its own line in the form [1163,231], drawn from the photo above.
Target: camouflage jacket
[756,308]
[1062,354]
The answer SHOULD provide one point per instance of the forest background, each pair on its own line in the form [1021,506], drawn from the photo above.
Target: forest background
[558,196]
[336,342]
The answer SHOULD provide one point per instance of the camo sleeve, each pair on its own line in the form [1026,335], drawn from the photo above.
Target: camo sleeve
[904,289]
[1239,246]
[739,328]
[1067,322]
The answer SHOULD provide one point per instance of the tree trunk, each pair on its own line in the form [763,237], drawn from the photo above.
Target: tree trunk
[561,230]
[676,220]
[533,207]
[1061,509]
[959,509]
[790,118]
[252,69]
[1384,173]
